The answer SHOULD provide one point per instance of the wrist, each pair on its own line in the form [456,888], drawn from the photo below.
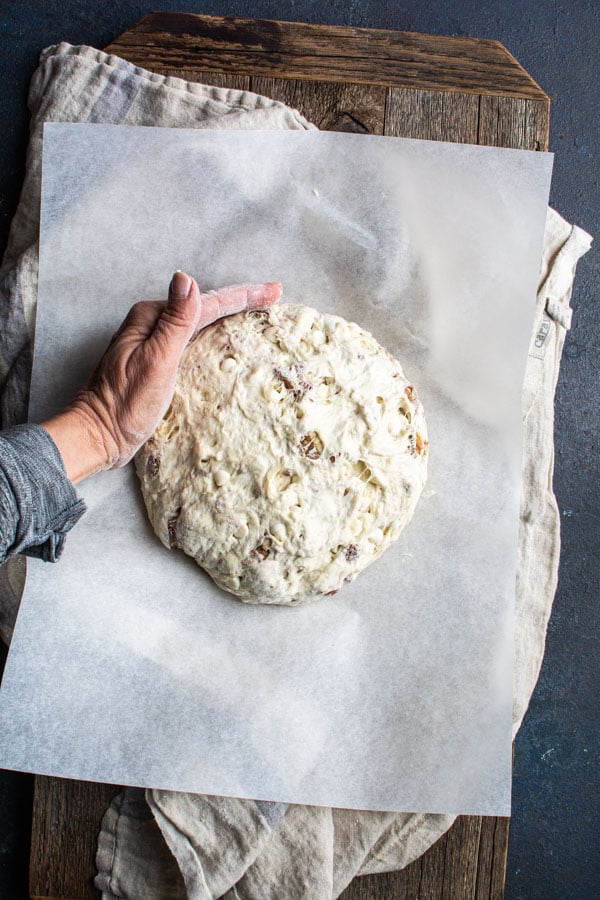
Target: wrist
[81,442]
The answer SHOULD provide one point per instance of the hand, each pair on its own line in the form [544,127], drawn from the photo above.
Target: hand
[130,390]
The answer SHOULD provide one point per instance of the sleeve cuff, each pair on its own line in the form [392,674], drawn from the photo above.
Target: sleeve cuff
[46,504]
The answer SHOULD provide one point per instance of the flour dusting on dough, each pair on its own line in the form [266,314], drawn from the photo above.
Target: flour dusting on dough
[293,453]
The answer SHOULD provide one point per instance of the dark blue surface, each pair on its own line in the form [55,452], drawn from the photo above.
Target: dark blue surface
[554,830]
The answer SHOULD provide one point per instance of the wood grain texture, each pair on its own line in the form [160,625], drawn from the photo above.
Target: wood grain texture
[511,122]
[342,79]
[319,52]
[491,862]
[432,115]
[458,866]
[215,79]
[358,108]
[65,824]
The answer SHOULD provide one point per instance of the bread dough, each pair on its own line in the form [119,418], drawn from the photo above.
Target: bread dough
[294,451]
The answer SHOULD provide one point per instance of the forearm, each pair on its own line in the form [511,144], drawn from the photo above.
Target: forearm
[79,443]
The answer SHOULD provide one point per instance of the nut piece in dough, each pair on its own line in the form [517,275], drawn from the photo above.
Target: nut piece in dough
[293,453]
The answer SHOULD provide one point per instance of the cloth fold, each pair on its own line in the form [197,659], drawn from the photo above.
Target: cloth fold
[157,845]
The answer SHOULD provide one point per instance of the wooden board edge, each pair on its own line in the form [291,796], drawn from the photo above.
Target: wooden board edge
[525,88]
[543,95]
[462,41]
[162,68]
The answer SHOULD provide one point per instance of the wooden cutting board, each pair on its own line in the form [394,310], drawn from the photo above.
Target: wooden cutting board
[365,81]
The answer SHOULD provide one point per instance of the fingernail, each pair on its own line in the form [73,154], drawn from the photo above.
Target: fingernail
[180,286]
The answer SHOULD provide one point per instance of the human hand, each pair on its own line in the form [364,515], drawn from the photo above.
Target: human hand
[130,390]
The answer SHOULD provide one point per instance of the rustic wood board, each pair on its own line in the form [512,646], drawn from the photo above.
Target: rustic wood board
[325,52]
[481,94]
[343,79]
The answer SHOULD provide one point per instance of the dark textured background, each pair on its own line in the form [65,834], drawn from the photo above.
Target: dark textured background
[554,831]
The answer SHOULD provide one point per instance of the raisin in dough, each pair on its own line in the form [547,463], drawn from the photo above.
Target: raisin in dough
[293,453]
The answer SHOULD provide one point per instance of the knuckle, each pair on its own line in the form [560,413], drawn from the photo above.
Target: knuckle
[137,308]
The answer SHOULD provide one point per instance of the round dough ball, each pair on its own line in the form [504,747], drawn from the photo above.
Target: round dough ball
[294,451]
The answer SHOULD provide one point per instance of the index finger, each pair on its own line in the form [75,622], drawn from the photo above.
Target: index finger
[236,298]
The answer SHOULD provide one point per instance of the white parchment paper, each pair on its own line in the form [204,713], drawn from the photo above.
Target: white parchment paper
[127,664]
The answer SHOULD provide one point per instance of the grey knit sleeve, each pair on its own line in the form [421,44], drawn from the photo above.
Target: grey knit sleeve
[38,503]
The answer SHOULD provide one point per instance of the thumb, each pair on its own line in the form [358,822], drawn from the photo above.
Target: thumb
[179,318]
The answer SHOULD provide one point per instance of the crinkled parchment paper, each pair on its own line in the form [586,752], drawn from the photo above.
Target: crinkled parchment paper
[127,664]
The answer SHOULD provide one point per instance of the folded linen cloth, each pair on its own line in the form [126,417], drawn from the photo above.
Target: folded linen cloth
[159,844]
